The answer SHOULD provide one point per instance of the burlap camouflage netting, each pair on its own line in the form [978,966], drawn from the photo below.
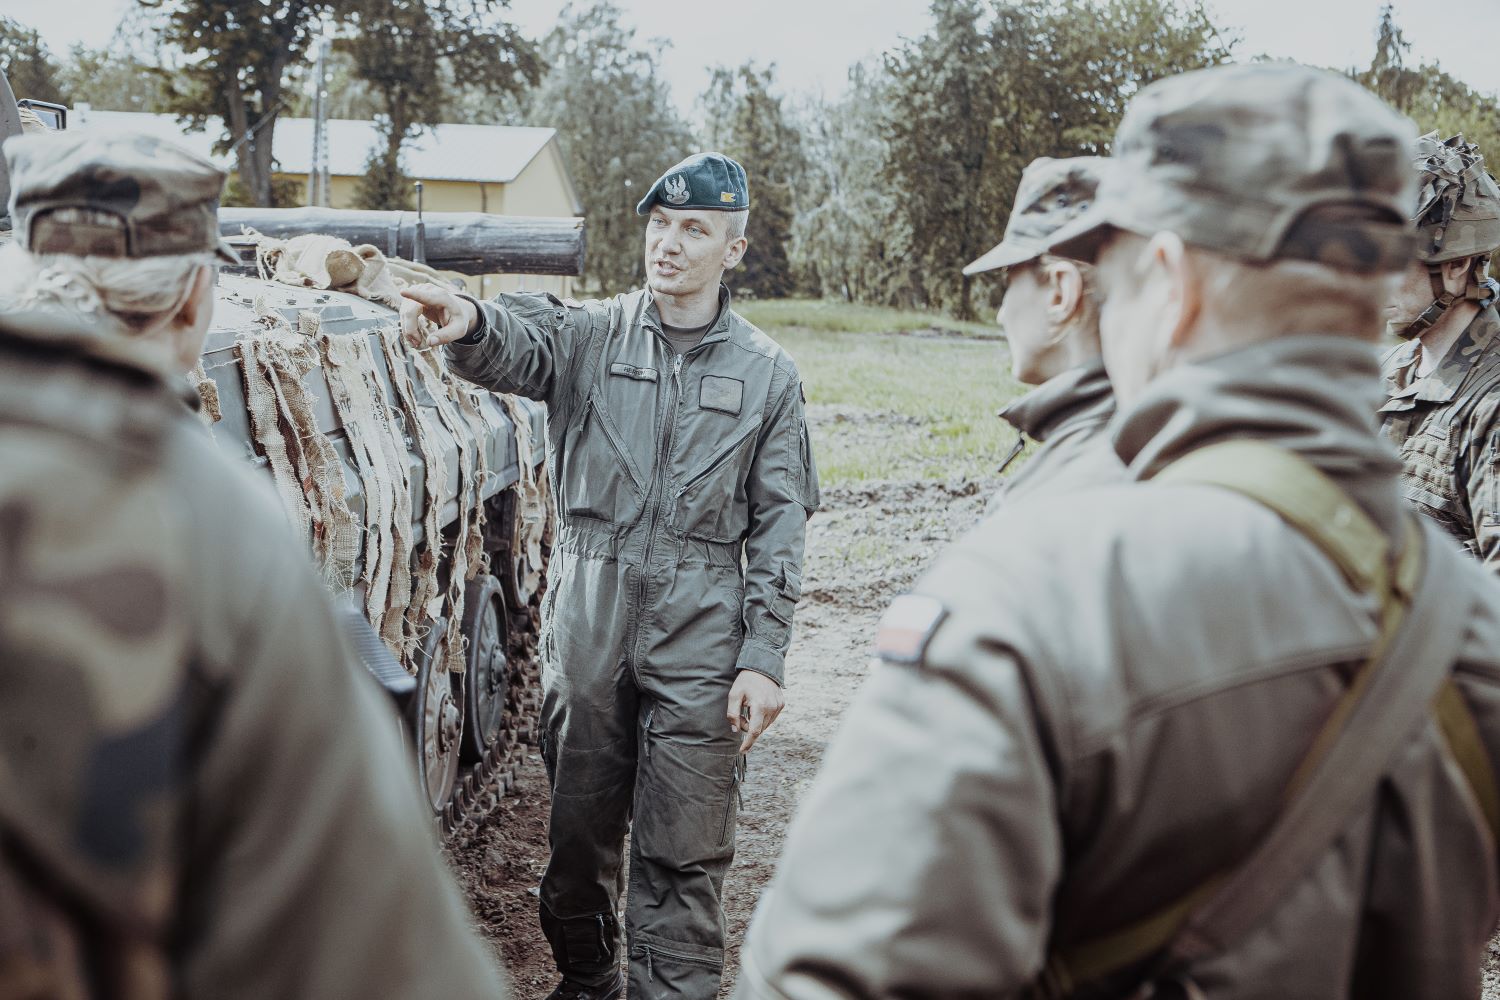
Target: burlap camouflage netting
[394,553]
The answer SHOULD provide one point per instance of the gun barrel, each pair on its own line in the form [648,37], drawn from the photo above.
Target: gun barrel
[466,242]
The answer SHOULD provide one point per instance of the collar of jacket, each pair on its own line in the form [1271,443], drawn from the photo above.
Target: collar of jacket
[58,335]
[1443,383]
[1078,396]
[651,318]
[1313,395]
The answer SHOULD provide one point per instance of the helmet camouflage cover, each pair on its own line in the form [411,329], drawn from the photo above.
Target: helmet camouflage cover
[1458,213]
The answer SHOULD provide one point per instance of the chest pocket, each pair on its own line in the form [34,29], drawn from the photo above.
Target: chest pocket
[711,504]
[599,478]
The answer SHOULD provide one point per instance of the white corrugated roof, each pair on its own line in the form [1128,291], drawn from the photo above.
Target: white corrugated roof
[487,153]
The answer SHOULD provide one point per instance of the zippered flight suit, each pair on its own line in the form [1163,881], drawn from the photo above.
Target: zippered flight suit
[684,483]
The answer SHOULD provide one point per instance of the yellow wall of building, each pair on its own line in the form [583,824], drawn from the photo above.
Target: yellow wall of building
[541,189]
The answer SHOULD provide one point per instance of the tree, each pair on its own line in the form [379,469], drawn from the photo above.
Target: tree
[846,241]
[618,129]
[1433,98]
[27,63]
[237,54]
[408,51]
[997,83]
[746,121]
[110,79]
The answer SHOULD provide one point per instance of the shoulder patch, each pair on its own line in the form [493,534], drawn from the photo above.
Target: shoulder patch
[907,626]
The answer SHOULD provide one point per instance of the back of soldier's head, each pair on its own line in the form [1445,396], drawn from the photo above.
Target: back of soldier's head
[1248,202]
[108,227]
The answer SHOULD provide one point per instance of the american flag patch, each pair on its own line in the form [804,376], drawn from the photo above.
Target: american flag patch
[906,627]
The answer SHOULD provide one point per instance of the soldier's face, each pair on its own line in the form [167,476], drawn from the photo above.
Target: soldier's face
[1023,318]
[1414,294]
[688,250]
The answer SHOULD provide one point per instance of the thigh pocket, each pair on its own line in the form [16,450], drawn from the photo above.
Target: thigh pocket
[684,802]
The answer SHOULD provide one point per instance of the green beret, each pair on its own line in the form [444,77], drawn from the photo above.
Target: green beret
[703,180]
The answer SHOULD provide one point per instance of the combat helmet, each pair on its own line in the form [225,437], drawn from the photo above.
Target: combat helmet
[1458,216]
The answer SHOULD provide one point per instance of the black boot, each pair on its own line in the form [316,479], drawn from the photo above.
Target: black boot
[568,989]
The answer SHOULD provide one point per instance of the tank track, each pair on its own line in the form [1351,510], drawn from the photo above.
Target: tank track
[481,787]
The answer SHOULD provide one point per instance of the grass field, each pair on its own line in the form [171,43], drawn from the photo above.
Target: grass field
[888,405]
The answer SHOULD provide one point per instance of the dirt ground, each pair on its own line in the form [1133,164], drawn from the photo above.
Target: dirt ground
[864,546]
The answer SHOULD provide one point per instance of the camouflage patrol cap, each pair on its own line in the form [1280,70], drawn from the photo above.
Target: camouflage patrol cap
[1051,194]
[1262,161]
[703,180]
[1458,209]
[113,195]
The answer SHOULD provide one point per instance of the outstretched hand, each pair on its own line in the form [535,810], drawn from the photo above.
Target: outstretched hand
[433,315]
[754,703]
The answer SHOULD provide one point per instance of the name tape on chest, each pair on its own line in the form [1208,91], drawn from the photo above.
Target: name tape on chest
[907,627]
[631,371]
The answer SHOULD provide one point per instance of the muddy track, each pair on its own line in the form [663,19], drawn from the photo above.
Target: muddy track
[865,545]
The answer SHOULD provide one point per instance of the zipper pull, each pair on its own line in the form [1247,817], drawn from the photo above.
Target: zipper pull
[677,366]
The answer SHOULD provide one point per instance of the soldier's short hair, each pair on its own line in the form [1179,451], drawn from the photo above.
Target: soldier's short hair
[737,221]
[1281,297]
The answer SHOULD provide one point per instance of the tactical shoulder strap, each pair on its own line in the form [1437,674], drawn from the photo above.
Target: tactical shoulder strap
[1350,754]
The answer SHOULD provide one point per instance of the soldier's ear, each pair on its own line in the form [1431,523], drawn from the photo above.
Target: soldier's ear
[735,252]
[1179,292]
[1064,291]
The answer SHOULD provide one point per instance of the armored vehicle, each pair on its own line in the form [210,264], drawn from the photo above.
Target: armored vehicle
[424,502]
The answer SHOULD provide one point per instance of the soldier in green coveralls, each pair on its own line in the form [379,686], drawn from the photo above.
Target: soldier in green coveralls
[684,481]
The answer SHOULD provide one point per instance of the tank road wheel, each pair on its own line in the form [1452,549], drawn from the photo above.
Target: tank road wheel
[488,677]
[439,722]
[517,590]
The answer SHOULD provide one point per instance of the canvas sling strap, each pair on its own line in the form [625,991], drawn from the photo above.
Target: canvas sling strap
[1406,677]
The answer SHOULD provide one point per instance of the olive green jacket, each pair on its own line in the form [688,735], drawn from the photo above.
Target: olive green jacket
[676,470]
[1096,701]
[200,786]
[1067,416]
[1447,427]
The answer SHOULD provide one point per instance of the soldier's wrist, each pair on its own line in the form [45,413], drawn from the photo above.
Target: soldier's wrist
[476,328]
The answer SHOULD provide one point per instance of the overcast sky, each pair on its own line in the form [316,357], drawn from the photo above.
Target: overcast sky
[813,42]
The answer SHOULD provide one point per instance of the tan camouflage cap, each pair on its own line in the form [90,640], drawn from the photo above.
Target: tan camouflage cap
[1235,158]
[1458,209]
[1051,194]
[113,195]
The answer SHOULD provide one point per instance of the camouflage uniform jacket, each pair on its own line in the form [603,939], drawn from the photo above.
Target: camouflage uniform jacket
[1090,706]
[1067,414]
[1445,426]
[201,793]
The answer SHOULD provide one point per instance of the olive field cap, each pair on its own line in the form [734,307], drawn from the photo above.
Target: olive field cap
[113,195]
[1263,161]
[1458,209]
[703,180]
[1051,194]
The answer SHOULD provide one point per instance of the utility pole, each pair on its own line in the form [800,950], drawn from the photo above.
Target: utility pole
[317,173]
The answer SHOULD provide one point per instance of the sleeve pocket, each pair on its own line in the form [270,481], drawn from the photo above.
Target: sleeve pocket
[788,593]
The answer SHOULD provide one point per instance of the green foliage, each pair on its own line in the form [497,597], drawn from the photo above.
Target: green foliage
[995,84]
[409,52]
[618,129]
[746,121]
[237,55]
[384,185]
[1431,97]
[27,63]
[111,79]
